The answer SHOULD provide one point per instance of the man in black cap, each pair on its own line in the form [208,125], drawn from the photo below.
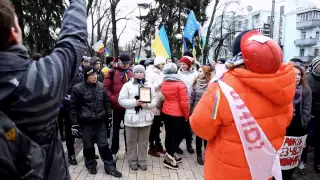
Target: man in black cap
[90,107]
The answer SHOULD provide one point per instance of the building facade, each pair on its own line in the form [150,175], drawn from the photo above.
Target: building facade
[300,30]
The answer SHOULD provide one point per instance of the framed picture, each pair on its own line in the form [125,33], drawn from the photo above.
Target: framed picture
[145,94]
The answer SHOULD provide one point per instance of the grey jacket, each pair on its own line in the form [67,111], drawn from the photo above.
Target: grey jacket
[196,94]
[18,152]
[306,106]
[31,91]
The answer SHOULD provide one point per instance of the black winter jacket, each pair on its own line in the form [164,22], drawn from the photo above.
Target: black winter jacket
[89,103]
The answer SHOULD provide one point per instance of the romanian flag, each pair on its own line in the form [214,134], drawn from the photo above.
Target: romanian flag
[106,52]
[160,45]
[98,46]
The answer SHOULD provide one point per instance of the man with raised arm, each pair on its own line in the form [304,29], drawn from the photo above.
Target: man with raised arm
[31,91]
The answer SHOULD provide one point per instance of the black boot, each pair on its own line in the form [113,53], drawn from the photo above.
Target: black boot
[190,148]
[153,151]
[72,160]
[200,159]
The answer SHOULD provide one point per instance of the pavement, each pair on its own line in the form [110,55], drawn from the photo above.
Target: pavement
[188,169]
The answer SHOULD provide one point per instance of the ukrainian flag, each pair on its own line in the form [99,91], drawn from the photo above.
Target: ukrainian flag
[160,45]
[106,52]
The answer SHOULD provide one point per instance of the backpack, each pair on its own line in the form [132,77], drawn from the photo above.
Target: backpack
[20,157]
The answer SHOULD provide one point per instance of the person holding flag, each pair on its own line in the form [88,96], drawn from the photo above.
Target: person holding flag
[246,110]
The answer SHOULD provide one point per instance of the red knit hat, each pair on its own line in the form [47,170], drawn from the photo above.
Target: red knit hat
[187,60]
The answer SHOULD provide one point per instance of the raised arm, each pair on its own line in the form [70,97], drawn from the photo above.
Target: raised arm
[57,71]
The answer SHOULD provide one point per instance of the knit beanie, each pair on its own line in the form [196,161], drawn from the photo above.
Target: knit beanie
[88,70]
[138,68]
[315,62]
[187,60]
[159,60]
[236,46]
[170,68]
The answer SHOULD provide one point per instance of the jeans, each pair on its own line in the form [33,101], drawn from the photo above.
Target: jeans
[101,138]
[64,115]
[173,135]
[154,137]
[118,116]
[199,145]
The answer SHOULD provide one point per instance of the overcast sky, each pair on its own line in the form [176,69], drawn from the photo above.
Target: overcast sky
[131,31]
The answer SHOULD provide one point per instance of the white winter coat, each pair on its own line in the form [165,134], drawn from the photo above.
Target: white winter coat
[155,79]
[188,78]
[127,100]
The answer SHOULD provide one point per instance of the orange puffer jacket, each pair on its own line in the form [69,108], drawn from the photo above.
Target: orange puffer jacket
[176,101]
[269,99]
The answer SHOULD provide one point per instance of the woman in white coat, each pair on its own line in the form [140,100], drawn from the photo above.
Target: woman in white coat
[138,118]
[155,79]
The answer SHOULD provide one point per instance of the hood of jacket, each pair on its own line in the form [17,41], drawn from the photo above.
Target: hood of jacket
[278,87]
[172,77]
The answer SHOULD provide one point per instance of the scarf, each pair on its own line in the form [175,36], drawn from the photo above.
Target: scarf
[124,76]
[298,95]
[202,83]
[235,61]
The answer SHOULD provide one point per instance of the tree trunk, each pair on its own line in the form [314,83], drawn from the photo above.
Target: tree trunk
[206,48]
[114,29]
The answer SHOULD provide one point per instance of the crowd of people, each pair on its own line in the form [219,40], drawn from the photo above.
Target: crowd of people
[234,109]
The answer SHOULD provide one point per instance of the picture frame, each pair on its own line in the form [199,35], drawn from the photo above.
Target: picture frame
[145,94]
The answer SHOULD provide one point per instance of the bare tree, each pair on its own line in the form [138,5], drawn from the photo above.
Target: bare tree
[216,7]
[115,20]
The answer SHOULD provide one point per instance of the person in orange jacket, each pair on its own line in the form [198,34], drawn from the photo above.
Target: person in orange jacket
[266,86]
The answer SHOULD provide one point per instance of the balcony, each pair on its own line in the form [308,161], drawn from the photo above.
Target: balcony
[306,42]
[308,24]
[305,58]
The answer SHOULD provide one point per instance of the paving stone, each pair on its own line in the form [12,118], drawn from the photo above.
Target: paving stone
[188,169]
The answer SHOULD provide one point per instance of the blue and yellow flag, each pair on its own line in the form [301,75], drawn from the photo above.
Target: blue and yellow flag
[106,52]
[191,27]
[160,45]
[184,47]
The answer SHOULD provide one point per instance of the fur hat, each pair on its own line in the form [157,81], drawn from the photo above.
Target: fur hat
[187,60]
[170,68]
[159,60]
[138,68]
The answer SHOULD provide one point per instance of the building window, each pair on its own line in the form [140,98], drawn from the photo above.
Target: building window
[301,52]
[316,52]
[317,35]
[246,22]
[269,20]
[239,24]
[303,35]
[281,10]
